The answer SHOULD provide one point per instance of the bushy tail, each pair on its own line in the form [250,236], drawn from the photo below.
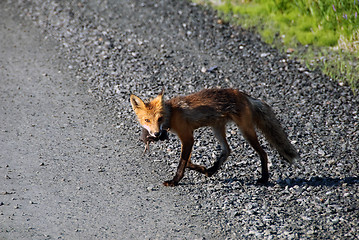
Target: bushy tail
[266,121]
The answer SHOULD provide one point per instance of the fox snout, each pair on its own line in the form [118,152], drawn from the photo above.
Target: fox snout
[147,137]
[157,134]
[153,134]
[153,130]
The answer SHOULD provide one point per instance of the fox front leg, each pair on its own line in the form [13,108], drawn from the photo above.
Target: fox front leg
[185,155]
[178,176]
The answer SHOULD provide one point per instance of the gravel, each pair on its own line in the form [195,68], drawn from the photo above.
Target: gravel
[123,47]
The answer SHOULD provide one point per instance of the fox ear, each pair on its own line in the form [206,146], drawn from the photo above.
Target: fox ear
[136,102]
[162,91]
[160,95]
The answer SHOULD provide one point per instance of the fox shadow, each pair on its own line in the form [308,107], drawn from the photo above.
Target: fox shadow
[318,181]
[313,181]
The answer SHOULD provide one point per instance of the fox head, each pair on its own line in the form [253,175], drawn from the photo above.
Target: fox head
[150,114]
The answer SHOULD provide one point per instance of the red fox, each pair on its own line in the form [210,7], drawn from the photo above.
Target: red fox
[213,108]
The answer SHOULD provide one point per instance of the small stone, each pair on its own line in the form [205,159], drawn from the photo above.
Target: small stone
[335,220]
[151,188]
[321,152]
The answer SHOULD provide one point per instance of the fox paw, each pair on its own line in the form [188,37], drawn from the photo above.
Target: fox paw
[211,171]
[262,181]
[170,183]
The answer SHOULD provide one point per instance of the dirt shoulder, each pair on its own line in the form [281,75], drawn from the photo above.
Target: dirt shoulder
[66,172]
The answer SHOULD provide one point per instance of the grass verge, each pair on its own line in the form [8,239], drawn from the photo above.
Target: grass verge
[323,34]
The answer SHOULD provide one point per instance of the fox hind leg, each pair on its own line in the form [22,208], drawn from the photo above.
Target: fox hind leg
[253,141]
[220,134]
[250,135]
[196,167]
[246,126]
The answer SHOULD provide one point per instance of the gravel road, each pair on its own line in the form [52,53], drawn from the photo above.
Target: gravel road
[71,163]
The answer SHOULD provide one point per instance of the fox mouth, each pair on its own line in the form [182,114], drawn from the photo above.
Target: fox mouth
[158,136]
[146,136]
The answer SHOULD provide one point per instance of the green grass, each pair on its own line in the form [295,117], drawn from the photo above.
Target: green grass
[329,28]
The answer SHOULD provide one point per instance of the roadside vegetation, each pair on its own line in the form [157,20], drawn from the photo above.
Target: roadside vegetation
[323,34]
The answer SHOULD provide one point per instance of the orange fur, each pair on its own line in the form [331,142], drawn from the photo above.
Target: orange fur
[150,114]
[214,108]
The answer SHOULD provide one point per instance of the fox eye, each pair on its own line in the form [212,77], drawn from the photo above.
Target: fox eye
[147,120]
[160,119]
